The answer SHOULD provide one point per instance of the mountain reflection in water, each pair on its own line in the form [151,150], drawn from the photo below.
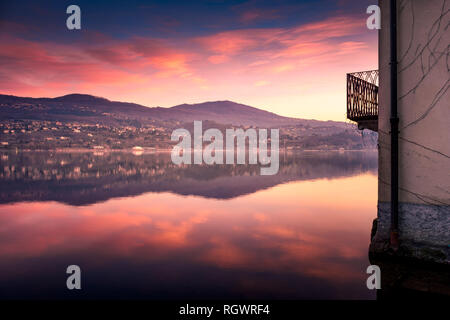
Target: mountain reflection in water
[142,227]
[86,178]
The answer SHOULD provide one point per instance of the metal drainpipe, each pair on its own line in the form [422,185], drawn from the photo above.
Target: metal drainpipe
[394,126]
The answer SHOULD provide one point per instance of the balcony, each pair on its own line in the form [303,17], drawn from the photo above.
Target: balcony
[362,99]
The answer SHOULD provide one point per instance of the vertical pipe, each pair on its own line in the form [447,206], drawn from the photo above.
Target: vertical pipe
[394,125]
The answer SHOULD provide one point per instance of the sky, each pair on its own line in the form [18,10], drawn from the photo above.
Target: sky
[287,57]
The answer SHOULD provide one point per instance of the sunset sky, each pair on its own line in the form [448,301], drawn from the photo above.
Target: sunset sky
[288,57]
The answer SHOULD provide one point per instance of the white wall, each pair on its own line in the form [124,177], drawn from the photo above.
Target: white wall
[424,138]
[423,104]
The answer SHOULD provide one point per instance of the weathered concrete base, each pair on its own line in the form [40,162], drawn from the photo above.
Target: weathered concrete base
[403,279]
[424,232]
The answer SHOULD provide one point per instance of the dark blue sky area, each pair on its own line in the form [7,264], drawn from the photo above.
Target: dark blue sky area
[121,19]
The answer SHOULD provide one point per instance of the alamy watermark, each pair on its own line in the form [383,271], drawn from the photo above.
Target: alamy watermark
[374,20]
[74,280]
[219,151]
[374,280]
[73,21]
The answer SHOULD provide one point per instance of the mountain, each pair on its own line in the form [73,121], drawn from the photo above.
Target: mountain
[85,121]
[76,107]
[228,112]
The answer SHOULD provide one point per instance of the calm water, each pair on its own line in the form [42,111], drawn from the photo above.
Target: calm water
[141,227]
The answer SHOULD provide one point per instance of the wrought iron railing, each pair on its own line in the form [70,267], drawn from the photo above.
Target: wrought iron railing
[362,95]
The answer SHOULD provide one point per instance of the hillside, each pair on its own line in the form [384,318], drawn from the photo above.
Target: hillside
[85,121]
[91,108]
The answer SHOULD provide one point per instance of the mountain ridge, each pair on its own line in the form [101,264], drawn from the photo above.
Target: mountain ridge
[221,111]
[85,121]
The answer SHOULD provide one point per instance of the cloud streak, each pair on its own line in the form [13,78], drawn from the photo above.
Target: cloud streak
[155,71]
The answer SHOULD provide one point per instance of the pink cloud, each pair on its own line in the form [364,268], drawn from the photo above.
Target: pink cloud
[217,66]
[217,59]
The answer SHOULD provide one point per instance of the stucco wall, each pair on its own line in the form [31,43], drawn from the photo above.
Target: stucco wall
[424,112]
[423,104]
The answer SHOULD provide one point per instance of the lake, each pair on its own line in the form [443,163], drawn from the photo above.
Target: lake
[141,227]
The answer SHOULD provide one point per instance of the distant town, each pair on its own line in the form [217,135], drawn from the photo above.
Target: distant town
[46,135]
[87,122]
[54,134]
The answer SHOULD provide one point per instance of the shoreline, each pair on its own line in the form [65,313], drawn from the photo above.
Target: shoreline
[151,150]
